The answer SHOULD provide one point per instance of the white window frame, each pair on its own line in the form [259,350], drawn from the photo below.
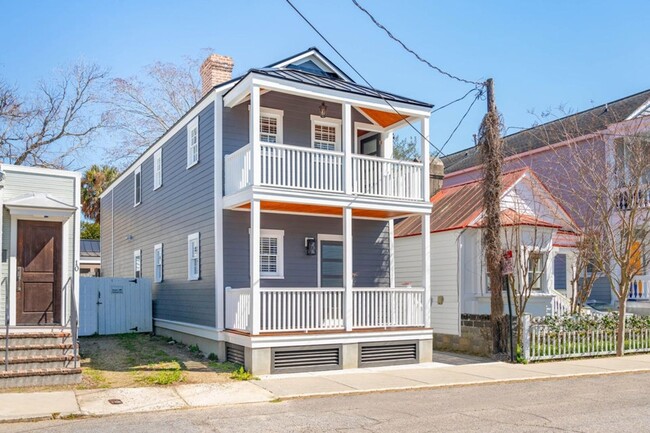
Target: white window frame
[326,121]
[158,274]
[541,270]
[137,188]
[137,260]
[279,235]
[157,169]
[325,237]
[191,127]
[278,115]
[190,275]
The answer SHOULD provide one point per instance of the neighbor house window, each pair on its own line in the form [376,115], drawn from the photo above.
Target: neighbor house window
[271,125]
[137,186]
[325,133]
[157,169]
[193,143]
[193,257]
[535,264]
[158,263]
[272,253]
[137,263]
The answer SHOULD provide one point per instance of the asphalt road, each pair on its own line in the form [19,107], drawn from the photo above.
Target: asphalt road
[616,403]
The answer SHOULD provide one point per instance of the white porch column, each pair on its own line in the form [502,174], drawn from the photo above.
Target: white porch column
[426,267]
[387,144]
[254,134]
[347,266]
[424,129]
[255,267]
[346,144]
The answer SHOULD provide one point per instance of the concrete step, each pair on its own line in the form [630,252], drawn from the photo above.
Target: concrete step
[40,377]
[40,362]
[38,350]
[38,338]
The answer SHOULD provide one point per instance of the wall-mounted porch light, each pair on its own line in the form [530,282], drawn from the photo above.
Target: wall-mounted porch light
[310,246]
[323,110]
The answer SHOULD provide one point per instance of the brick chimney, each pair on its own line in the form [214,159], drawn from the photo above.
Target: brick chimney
[216,69]
[436,175]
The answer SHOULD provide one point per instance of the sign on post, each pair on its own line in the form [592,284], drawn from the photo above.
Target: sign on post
[507,263]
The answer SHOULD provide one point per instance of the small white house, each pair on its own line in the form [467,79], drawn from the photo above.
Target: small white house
[535,228]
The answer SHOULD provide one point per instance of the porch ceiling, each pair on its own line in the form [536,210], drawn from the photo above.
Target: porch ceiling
[274,206]
[383,118]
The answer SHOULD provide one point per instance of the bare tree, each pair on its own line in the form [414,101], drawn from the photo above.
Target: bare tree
[584,272]
[62,118]
[145,107]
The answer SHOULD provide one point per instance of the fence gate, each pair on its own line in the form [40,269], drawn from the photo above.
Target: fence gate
[114,306]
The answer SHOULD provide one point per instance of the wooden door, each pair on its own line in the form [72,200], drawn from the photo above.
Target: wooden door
[38,273]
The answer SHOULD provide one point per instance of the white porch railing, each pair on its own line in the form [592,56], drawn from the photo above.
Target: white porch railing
[381,177]
[238,308]
[640,288]
[311,169]
[387,307]
[560,304]
[629,199]
[238,170]
[314,309]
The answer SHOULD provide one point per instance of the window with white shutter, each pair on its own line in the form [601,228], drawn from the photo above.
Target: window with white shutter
[157,169]
[158,263]
[193,257]
[193,143]
[272,253]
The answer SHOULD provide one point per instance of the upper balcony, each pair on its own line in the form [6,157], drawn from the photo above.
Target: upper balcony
[317,145]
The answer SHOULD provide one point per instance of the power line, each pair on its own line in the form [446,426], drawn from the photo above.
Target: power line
[456,100]
[361,76]
[478,96]
[417,56]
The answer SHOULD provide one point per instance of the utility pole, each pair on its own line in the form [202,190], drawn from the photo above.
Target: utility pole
[490,144]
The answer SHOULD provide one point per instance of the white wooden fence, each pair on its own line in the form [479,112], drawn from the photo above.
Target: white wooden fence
[541,342]
[114,306]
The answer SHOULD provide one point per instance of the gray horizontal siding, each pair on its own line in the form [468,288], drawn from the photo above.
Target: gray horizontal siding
[370,246]
[182,206]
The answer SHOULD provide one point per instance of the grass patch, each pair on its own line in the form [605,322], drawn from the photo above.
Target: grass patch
[242,374]
[162,373]
[96,377]
[223,367]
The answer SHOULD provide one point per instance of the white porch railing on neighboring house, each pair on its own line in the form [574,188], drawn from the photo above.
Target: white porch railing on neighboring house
[640,288]
[238,170]
[301,168]
[387,308]
[238,307]
[560,304]
[299,309]
[381,177]
[629,199]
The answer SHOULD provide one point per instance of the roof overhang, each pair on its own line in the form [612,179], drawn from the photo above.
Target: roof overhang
[40,205]
[241,90]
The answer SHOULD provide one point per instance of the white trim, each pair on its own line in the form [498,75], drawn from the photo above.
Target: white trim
[278,115]
[643,107]
[191,127]
[323,237]
[342,338]
[138,254]
[40,170]
[158,248]
[190,275]
[90,260]
[188,328]
[372,129]
[330,122]
[391,251]
[137,189]
[157,169]
[279,235]
[311,53]
[220,301]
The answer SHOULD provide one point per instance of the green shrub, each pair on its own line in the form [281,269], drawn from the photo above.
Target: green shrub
[242,374]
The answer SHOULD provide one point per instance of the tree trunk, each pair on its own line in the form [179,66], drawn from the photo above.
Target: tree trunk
[620,331]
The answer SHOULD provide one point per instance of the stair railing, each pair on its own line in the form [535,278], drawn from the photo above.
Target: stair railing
[7,321]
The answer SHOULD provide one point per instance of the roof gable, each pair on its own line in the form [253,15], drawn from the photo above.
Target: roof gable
[312,61]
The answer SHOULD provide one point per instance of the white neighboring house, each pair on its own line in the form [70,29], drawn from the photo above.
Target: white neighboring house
[534,226]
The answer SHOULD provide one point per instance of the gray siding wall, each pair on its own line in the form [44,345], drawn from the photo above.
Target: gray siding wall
[370,246]
[601,291]
[182,206]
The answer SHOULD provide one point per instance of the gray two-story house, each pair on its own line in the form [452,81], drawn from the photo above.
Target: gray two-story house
[264,218]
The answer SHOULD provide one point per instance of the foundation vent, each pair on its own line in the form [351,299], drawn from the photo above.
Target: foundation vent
[235,353]
[373,354]
[306,359]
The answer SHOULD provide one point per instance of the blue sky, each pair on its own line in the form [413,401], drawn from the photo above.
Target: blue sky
[540,53]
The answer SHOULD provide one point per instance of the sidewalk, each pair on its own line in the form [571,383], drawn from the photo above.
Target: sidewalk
[269,388]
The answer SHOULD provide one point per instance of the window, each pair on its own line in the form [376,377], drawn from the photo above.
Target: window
[325,133]
[193,143]
[137,263]
[158,263]
[137,186]
[272,253]
[535,265]
[157,169]
[631,161]
[193,257]
[271,125]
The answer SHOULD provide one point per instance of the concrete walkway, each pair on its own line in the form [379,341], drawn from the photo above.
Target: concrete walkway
[17,406]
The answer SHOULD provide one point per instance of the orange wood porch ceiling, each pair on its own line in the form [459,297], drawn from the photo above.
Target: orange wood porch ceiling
[383,118]
[322,210]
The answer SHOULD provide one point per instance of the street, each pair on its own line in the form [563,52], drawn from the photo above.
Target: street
[592,404]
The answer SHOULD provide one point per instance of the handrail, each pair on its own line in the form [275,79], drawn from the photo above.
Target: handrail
[74,323]
[237,152]
[302,149]
[7,322]
[390,160]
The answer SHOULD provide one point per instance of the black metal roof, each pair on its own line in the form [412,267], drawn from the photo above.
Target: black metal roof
[304,77]
[89,248]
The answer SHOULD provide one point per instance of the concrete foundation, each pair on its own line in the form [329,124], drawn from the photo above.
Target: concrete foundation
[206,345]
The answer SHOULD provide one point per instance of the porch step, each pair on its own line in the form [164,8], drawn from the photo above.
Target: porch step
[38,338]
[39,350]
[40,377]
[40,362]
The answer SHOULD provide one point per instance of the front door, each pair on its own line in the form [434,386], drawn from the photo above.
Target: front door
[331,263]
[38,273]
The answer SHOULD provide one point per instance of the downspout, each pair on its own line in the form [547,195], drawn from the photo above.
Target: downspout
[4,278]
